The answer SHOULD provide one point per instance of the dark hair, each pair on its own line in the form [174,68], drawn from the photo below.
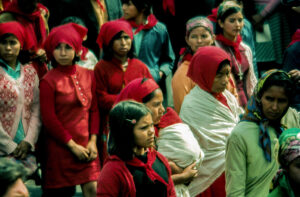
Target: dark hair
[223,16]
[10,172]
[222,65]
[280,79]
[141,5]
[24,56]
[122,119]
[108,51]
[73,19]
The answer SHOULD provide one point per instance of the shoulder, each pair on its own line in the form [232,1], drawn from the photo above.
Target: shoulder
[138,62]
[29,68]
[244,130]
[160,27]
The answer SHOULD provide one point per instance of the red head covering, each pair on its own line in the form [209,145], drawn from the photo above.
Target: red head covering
[204,65]
[16,29]
[296,37]
[110,29]
[137,90]
[169,118]
[70,33]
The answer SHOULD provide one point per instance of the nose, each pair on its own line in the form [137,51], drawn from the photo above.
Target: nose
[62,51]
[275,105]
[151,131]
[7,46]
[123,41]
[161,108]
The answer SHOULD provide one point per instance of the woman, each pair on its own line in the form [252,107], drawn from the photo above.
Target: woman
[117,68]
[199,33]
[251,152]
[134,168]
[229,25]
[19,94]
[175,139]
[70,115]
[212,112]
[287,180]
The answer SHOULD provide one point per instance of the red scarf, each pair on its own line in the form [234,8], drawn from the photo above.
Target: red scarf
[213,16]
[151,23]
[169,118]
[35,18]
[151,157]
[235,45]
[169,5]
[295,38]
[185,55]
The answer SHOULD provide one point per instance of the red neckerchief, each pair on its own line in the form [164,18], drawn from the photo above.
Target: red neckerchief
[151,23]
[35,17]
[213,16]
[295,38]
[169,5]
[235,45]
[151,157]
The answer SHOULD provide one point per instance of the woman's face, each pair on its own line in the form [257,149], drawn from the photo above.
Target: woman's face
[199,37]
[143,132]
[9,49]
[64,54]
[294,171]
[274,102]
[221,79]
[130,12]
[156,106]
[122,45]
[232,25]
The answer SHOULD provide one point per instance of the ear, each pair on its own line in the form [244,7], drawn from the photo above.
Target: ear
[221,24]
[187,39]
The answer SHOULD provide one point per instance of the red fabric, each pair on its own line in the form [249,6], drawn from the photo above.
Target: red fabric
[235,45]
[169,5]
[203,68]
[69,111]
[70,33]
[16,29]
[213,16]
[187,56]
[32,22]
[115,178]
[151,23]
[5,3]
[137,90]
[295,38]
[110,29]
[217,189]
[169,118]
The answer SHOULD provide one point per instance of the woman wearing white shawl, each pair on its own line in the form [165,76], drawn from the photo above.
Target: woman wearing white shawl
[211,112]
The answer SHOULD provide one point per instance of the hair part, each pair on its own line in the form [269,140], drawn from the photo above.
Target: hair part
[121,125]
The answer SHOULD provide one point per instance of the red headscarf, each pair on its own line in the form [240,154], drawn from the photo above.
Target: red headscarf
[137,90]
[70,33]
[295,38]
[16,29]
[151,23]
[203,68]
[35,26]
[110,29]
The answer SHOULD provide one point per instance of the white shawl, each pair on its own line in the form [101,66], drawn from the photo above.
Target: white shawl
[211,122]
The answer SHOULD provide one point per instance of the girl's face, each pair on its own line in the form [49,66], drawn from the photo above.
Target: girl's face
[143,132]
[232,26]
[221,79]
[64,54]
[294,171]
[156,106]
[199,37]
[9,49]
[130,12]
[122,45]
[274,102]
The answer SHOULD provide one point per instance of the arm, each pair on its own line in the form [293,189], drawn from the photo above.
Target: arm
[185,176]
[235,167]
[7,145]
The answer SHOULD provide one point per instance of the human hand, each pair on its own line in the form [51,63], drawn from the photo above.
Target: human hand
[190,172]
[41,55]
[174,168]
[93,151]
[295,74]
[22,150]
[81,153]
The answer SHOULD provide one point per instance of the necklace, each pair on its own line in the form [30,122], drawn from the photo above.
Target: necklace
[240,74]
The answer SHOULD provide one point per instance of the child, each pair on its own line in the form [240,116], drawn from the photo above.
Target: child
[70,115]
[152,43]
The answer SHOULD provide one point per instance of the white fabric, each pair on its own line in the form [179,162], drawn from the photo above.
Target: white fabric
[90,62]
[177,143]
[211,122]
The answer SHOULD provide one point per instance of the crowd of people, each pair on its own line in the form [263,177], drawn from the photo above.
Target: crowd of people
[99,98]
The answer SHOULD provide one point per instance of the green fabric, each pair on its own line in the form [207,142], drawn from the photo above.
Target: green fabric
[283,188]
[247,171]
[20,135]
[138,40]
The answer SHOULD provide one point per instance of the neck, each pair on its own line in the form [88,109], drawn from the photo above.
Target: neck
[231,38]
[139,151]
[123,59]
[140,19]
[12,64]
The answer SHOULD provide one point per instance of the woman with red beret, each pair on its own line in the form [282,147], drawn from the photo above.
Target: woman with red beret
[70,115]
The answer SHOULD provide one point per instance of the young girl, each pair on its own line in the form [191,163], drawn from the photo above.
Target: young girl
[118,66]
[134,168]
[19,98]
[229,25]
[199,33]
[70,115]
